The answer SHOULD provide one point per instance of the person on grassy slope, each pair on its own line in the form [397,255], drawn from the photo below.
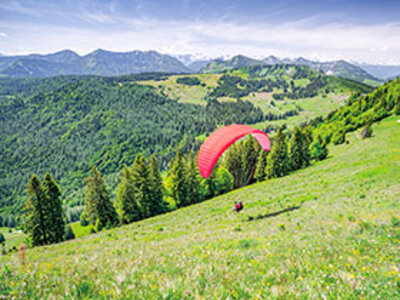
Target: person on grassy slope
[238,206]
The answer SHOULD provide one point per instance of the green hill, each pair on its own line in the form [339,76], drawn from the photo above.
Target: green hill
[329,231]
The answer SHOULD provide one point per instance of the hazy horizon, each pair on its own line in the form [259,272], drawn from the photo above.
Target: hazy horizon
[355,31]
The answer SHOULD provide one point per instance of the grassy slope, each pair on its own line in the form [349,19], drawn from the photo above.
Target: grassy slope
[13,238]
[311,107]
[342,241]
[184,93]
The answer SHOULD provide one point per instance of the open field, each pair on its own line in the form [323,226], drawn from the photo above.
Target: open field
[328,231]
[183,93]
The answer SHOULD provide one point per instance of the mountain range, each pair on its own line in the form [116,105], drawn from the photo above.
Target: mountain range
[99,62]
[107,63]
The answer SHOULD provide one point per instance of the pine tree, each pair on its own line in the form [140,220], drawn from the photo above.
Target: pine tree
[295,150]
[127,207]
[192,179]
[211,182]
[261,165]
[278,160]
[56,223]
[140,176]
[98,206]
[156,189]
[177,178]
[36,213]
[234,164]
[249,160]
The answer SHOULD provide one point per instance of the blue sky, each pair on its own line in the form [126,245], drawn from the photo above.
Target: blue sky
[353,30]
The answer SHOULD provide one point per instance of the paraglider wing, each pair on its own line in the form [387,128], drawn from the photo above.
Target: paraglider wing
[221,139]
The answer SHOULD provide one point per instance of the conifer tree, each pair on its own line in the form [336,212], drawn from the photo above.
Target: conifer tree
[261,165]
[249,160]
[234,164]
[192,179]
[37,213]
[177,178]
[278,160]
[156,189]
[140,176]
[98,206]
[295,150]
[56,223]
[127,207]
[211,182]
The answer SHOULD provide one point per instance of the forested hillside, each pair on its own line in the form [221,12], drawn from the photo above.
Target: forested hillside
[66,125]
[70,125]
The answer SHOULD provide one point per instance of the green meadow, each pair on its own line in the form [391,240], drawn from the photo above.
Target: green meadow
[330,231]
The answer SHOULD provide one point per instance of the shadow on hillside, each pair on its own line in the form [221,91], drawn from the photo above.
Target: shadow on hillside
[274,214]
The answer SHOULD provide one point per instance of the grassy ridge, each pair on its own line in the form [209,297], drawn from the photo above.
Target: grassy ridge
[341,242]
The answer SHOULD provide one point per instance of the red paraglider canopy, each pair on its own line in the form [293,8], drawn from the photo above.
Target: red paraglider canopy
[221,139]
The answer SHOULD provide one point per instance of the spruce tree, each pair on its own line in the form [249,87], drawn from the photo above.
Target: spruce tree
[98,206]
[278,163]
[192,180]
[156,189]
[140,176]
[249,160]
[127,207]
[177,179]
[56,223]
[234,164]
[295,150]
[37,213]
[261,165]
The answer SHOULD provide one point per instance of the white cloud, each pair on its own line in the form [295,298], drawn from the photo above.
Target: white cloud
[3,34]
[369,43]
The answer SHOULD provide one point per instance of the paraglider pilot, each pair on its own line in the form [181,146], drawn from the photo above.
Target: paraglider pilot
[238,206]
